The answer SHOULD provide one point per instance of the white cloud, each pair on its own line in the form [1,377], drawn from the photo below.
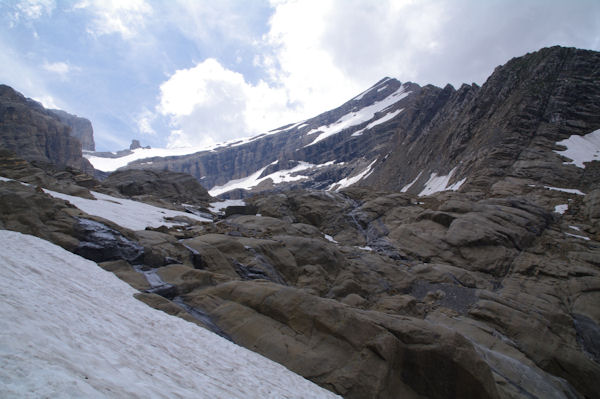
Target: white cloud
[33,9]
[208,104]
[144,123]
[62,69]
[126,18]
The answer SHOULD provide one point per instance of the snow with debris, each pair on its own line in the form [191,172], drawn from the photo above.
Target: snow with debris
[581,149]
[281,176]
[437,183]
[72,330]
[561,209]
[357,117]
[565,190]
[383,119]
[130,214]
[409,185]
[348,181]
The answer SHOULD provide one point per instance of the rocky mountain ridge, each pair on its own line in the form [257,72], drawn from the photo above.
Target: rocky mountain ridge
[398,136]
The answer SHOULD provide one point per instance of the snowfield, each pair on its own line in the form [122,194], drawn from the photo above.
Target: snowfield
[130,214]
[69,329]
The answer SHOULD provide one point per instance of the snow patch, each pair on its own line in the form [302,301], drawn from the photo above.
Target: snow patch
[379,121]
[348,181]
[565,190]
[409,185]
[581,149]
[578,236]
[281,176]
[330,238]
[130,214]
[73,330]
[575,228]
[357,117]
[561,209]
[440,183]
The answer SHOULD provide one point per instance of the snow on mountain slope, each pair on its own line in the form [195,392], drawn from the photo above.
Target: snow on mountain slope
[581,149]
[436,183]
[69,329]
[254,179]
[357,117]
[111,164]
[130,214]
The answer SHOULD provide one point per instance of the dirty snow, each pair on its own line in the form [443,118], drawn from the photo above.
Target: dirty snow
[581,149]
[130,214]
[348,181]
[357,117]
[440,183]
[72,330]
[379,121]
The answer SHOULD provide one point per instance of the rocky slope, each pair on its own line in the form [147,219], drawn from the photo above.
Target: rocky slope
[370,294]
[37,134]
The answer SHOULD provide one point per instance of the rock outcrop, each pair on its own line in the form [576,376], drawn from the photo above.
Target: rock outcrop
[81,128]
[37,134]
[162,186]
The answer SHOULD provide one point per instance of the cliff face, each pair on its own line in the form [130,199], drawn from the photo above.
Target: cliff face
[81,128]
[396,134]
[506,128]
[36,134]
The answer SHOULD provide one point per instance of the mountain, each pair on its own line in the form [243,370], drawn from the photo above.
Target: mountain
[414,242]
[398,136]
[38,134]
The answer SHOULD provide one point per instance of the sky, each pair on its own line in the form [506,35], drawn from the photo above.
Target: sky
[178,73]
